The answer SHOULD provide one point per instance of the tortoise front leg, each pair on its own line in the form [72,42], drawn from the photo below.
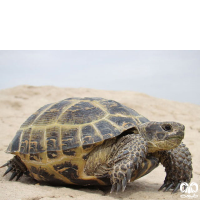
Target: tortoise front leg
[127,156]
[178,167]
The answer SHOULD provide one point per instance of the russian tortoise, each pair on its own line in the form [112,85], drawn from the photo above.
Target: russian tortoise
[94,141]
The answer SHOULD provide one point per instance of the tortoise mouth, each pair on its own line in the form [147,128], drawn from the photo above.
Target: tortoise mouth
[174,137]
[178,135]
[167,144]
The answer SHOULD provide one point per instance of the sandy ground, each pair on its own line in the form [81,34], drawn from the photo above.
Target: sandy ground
[16,104]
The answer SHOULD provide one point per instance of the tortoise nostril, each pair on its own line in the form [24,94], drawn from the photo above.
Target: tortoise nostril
[160,136]
[167,127]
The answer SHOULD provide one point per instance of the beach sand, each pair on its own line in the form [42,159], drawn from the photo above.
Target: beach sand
[17,104]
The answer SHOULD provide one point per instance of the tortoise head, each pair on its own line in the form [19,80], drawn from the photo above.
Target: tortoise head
[162,136]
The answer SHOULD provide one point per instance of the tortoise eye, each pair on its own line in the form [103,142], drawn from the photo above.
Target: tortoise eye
[167,127]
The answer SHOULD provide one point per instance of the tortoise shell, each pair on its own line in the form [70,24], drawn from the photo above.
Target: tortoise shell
[54,142]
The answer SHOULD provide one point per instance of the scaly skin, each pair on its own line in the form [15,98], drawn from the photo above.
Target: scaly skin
[178,167]
[129,153]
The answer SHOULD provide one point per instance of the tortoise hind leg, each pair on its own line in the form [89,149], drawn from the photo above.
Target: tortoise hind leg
[15,166]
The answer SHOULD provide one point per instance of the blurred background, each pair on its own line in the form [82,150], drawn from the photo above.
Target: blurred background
[173,75]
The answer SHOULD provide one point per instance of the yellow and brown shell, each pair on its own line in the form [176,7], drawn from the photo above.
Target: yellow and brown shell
[54,142]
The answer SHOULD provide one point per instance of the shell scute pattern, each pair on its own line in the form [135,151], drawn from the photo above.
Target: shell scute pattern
[37,140]
[114,107]
[131,111]
[71,170]
[24,148]
[143,119]
[58,129]
[81,113]
[89,136]
[43,175]
[67,169]
[107,129]
[125,122]
[32,118]
[14,145]
[53,141]
[69,138]
[62,135]
[51,115]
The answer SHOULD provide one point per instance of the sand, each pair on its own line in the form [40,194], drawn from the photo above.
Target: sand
[16,104]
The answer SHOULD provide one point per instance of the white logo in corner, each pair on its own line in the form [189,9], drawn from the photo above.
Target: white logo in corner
[189,190]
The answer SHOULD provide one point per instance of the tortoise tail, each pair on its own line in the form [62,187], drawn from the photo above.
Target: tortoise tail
[15,166]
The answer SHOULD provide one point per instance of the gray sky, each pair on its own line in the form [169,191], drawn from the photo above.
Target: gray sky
[173,75]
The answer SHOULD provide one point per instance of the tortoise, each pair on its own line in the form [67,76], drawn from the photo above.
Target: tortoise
[95,141]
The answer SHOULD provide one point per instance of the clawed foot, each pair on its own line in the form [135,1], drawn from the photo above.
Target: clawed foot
[14,167]
[120,182]
[178,167]
[170,185]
